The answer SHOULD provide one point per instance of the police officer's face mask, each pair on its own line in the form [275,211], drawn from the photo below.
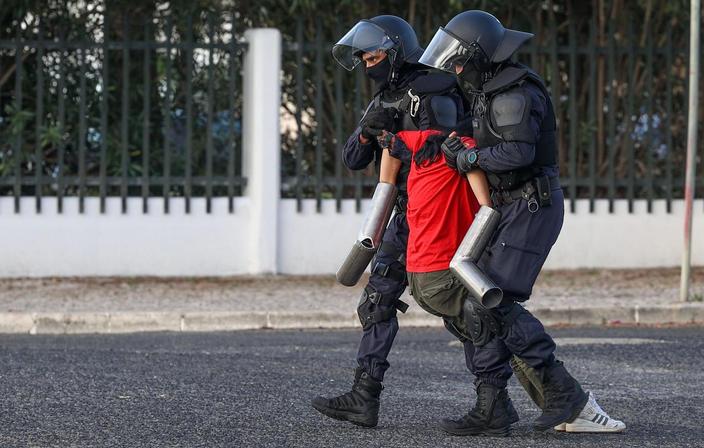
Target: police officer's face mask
[471,76]
[379,73]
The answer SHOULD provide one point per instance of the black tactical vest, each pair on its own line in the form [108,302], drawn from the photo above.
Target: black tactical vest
[413,112]
[486,135]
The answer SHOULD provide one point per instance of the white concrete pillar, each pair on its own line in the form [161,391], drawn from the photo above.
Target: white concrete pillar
[262,146]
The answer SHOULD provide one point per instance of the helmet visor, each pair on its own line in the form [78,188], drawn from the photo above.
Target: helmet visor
[364,37]
[445,51]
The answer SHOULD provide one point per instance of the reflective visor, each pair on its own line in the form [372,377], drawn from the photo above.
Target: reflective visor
[445,51]
[364,37]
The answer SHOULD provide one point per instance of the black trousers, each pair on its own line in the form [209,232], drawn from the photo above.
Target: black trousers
[513,260]
[378,338]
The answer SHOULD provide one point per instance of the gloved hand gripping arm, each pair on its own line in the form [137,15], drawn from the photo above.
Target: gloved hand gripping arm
[456,153]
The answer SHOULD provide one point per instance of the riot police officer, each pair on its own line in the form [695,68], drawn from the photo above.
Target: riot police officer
[405,98]
[514,127]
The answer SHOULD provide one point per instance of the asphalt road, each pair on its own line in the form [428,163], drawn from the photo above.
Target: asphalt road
[248,389]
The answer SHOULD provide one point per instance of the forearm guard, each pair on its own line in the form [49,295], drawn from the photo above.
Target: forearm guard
[370,235]
[463,264]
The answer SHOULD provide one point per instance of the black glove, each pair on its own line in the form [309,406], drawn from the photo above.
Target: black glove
[377,121]
[451,147]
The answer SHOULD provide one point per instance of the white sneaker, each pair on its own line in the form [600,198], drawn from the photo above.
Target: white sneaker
[592,419]
[562,427]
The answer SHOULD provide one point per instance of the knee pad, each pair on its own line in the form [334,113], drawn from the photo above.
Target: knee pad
[372,308]
[454,330]
[480,321]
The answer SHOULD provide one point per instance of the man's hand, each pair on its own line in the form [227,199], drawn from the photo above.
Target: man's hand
[377,121]
[386,140]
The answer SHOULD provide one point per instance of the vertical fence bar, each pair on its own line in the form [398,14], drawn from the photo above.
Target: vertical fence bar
[319,116]
[209,129]
[629,114]
[339,111]
[573,113]
[611,118]
[62,126]
[166,187]
[188,187]
[82,133]
[357,116]
[145,119]
[299,107]
[670,119]
[104,114]
[39,121]
[17,149]
[555,94]
[124,148]
[649,112]
[231,119]
[592,111]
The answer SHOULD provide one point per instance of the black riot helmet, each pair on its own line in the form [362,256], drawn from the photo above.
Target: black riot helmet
[391,34]
[472,39]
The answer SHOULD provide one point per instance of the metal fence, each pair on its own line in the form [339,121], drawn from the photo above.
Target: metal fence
[150,109]
[621,101]
[121,107]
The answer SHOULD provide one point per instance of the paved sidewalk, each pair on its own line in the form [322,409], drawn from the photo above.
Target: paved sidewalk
[584,297]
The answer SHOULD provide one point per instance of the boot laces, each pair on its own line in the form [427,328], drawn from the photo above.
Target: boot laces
[481,407]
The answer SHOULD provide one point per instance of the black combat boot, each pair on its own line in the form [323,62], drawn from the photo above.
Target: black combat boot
[359,406]
[492,415]
[564,397]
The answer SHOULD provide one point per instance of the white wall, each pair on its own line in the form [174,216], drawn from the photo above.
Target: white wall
[625,240]
[313,243]
[95,244]
[268,235]
[219,244]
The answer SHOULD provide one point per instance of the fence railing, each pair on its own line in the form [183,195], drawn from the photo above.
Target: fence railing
[122,108]
[620,100]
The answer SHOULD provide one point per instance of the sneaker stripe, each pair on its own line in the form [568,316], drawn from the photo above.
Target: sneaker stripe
[606,420]
[595,417]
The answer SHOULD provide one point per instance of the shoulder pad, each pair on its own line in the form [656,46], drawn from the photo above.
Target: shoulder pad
[429,83]
[511,116]
[508,109]
[506,78]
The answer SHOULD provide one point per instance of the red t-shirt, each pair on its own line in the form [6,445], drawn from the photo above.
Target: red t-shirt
[441,207]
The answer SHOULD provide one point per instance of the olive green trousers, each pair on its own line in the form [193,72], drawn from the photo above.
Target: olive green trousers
[441,294]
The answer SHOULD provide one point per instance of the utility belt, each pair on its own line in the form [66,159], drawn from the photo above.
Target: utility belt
[537,191]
